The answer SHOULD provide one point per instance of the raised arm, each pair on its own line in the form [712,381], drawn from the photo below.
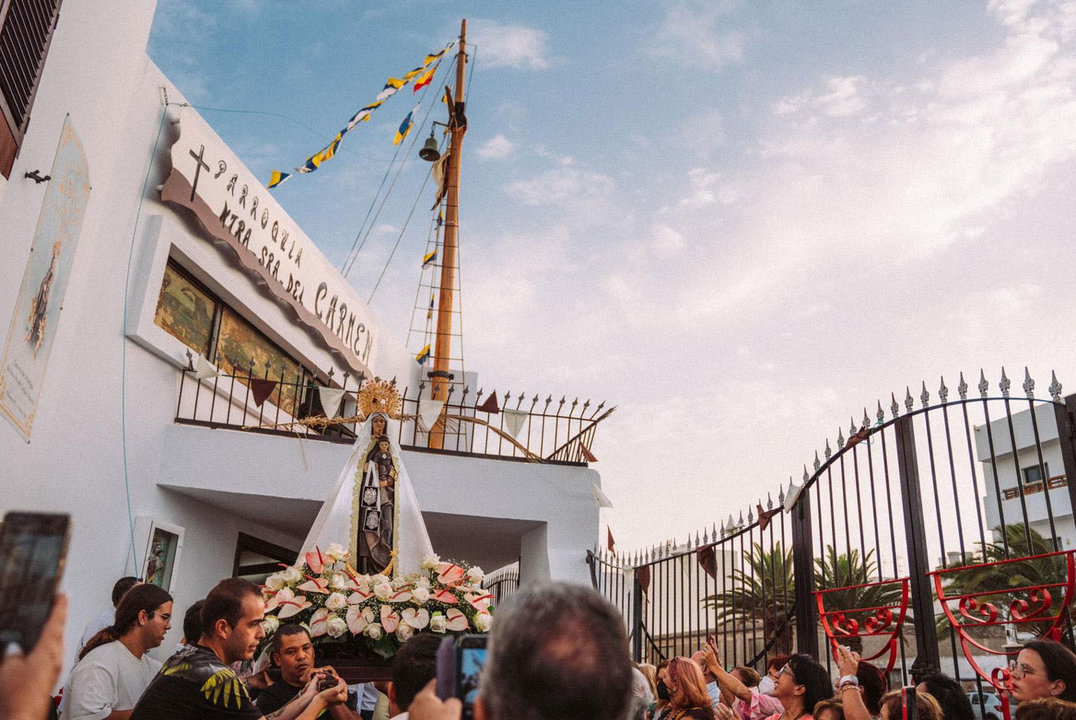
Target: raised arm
[712,659]
[848,691]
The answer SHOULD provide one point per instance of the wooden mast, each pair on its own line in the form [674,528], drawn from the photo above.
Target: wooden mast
[457,127]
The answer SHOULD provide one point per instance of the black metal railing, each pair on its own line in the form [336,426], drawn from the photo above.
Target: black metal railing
[515,428]
[909,490]
[502,583]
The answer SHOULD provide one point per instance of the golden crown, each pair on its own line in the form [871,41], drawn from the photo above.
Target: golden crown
[381,396]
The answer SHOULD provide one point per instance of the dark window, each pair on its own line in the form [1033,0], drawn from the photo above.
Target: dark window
[26,28]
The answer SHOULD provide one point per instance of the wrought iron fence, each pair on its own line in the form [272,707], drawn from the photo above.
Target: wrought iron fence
[502,583]
[517,428]
[952,490]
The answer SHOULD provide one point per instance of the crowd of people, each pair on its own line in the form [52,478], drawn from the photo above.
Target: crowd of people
[556,651]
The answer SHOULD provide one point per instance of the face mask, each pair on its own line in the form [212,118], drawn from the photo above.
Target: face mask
[766,685]
[663,690]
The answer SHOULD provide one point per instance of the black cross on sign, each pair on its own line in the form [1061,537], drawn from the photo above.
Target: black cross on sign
[198,170]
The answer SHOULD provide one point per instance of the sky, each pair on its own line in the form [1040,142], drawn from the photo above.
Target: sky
[738,222]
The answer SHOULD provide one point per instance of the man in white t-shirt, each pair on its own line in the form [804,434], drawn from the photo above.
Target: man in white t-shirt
[112,674]
[106,617]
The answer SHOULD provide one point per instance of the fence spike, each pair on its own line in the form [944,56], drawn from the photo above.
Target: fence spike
[908,401]
[943,392]
[507,396]
[1004,384]
[924,396]
[840,438]
[983,384]
[751,514]
[1055,387]
[817,462]
[828,452]
[600,406]
[741,518]
[769,501]
[880,415]
[575,402]
[706,536]
[696,538]
[866,420]
[962,388]
[894,407]
[549,399]
[851,426]
[479,394]
[534,401]
[781,493]
[732,523]
[1029,385]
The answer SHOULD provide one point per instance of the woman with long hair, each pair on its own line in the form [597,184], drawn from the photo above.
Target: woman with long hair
[115,667]
[687,691]
[801,684]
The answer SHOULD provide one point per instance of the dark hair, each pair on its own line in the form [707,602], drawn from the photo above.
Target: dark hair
[777,661]
[286,630]
[192,622]
[122,585]
[1046,709]
[1060,664]
[415,665]
[557,651]
[225,602]
[813,677]
[950,696]
[873,683]
[141,597]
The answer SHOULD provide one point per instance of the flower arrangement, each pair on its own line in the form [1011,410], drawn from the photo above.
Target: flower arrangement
[338,605]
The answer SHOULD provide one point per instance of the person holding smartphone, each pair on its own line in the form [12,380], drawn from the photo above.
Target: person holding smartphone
[26,681]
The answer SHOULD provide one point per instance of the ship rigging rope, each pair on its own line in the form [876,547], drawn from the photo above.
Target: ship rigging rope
[364,229]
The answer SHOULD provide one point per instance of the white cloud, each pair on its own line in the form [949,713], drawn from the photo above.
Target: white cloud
[497,147]
[503,45]
[692,35]
[565,184]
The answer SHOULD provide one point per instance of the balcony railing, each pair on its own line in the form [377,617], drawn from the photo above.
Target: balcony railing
[517,427]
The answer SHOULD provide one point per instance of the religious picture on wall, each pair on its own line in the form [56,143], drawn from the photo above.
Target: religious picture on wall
[36,317]
[160,560]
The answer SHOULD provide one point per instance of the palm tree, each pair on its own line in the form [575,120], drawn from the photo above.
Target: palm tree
[762,589]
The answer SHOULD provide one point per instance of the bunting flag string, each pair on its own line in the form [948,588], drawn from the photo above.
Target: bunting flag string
[203,369]
[513,420]
[429,410]
[392,86]
[330,399]
[429,257]
[490,404]
[429,313]
[261,389]
[423,355]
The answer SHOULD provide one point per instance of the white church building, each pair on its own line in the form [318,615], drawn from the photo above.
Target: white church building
[135,241]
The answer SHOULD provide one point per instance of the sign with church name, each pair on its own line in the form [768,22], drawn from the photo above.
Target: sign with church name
[235,208]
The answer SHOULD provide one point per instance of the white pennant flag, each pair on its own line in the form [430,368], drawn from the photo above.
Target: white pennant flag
[600,498]
[203,369]
[330,399]
[513,420]
[429,410]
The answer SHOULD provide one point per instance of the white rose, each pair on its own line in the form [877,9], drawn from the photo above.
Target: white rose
[437,623]
[274,582]
[378,579]
[373,631]
[384,591]
[336,601]
[482,621]
[292,575]
[430,562]
[336,626]
[339,582]
[420,595]
[336,551]
[404,632]
[475,575]
[270,624]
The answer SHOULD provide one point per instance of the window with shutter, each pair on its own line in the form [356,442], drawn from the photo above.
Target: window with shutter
[26,28]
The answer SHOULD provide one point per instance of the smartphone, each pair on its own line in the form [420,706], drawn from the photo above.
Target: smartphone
[908,707]
[459,665]
[33,547]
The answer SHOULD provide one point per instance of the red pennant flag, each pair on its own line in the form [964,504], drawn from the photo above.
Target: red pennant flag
[609,543]
[261,389]
[587,454]
[707,557]
[642,574]
[490,404]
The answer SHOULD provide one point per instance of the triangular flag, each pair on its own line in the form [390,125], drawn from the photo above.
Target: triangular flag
[792,496]
[600,498]
[426,77]
[330,399]
[587,454]
[203,369]
[429,410]
[489,404]
[610,544]
[423,355]
[514,419]
[707,557]
[276,178]
[405,127]
[440,168]
[261,389]
[643,574]
[428,258]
